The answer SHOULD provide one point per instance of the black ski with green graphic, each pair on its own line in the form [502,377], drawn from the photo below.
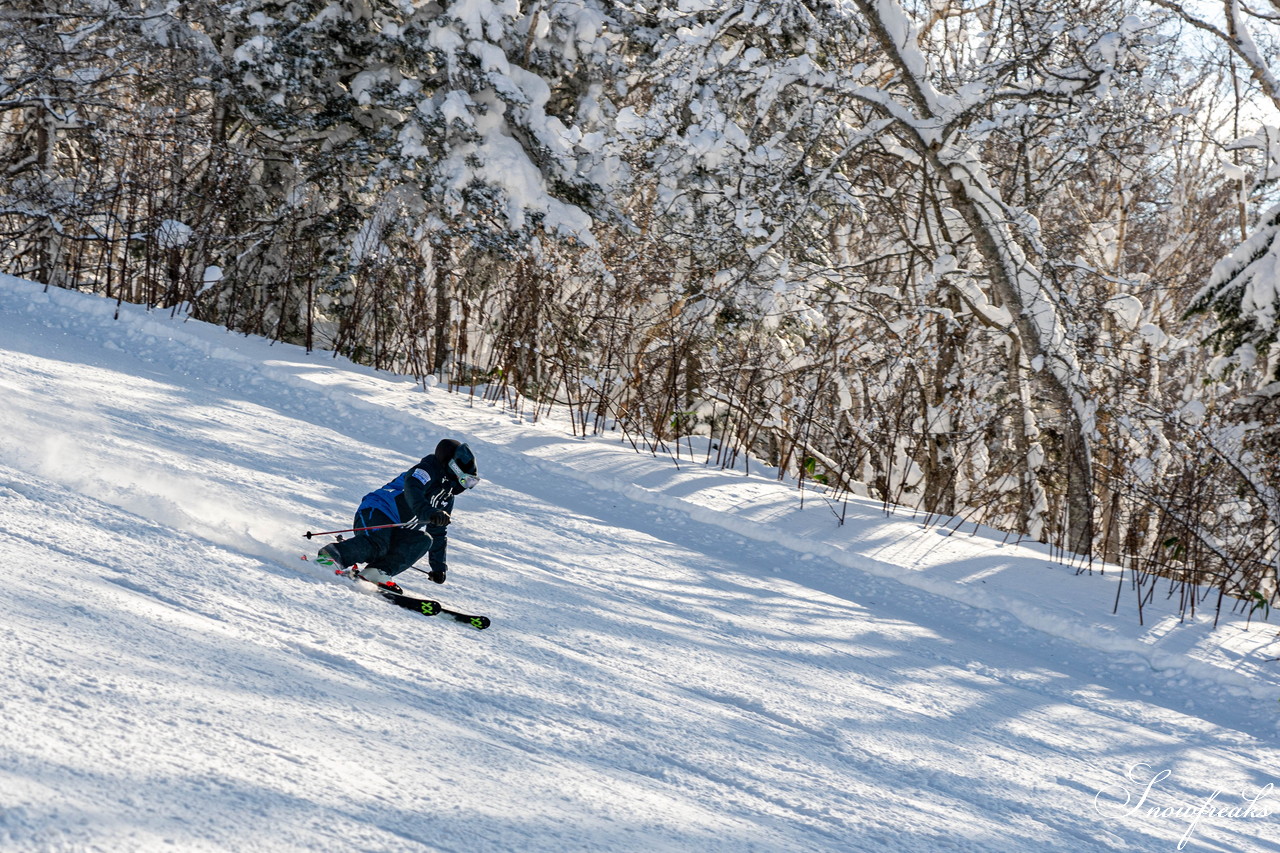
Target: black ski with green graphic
[425,606]
[428,607]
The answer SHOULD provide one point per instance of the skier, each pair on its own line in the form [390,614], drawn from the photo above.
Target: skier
[419,501]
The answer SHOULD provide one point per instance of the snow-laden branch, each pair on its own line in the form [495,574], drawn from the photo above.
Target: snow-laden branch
[1021,283]
[1238,37]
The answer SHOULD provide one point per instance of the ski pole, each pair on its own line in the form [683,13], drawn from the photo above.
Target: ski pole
[309,534]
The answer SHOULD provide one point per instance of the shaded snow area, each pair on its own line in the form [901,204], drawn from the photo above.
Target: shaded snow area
[681,658]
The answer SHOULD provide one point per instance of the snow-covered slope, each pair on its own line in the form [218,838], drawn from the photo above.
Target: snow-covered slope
[681,658]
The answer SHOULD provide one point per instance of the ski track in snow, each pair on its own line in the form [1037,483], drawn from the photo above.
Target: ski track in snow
[680,658]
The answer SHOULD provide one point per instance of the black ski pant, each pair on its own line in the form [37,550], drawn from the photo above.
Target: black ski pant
[393,550]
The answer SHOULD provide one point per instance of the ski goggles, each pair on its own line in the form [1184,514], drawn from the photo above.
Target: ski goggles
[463,466]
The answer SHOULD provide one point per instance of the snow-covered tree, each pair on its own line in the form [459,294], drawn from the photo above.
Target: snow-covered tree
[1244,295]
[779,130]
[96,105]
[1243,292]
[452,128]
[58,66]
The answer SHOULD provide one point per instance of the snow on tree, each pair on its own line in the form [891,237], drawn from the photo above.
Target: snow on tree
[1243,291]
[442,99]
[780,136]
[386,143]
[1244,295]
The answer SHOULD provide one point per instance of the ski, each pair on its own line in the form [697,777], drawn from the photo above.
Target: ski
[428,607]
[425,606]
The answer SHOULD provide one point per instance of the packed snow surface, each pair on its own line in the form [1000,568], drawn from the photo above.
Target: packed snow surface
[682,658]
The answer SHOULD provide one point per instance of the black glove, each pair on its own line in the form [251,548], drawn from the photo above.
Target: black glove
[437,575]
[439,518]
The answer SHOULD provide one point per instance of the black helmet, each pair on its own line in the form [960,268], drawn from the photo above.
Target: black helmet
[461,462]
[445,450]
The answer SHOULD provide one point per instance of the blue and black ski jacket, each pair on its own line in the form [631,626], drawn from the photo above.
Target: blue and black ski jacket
[417,493]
